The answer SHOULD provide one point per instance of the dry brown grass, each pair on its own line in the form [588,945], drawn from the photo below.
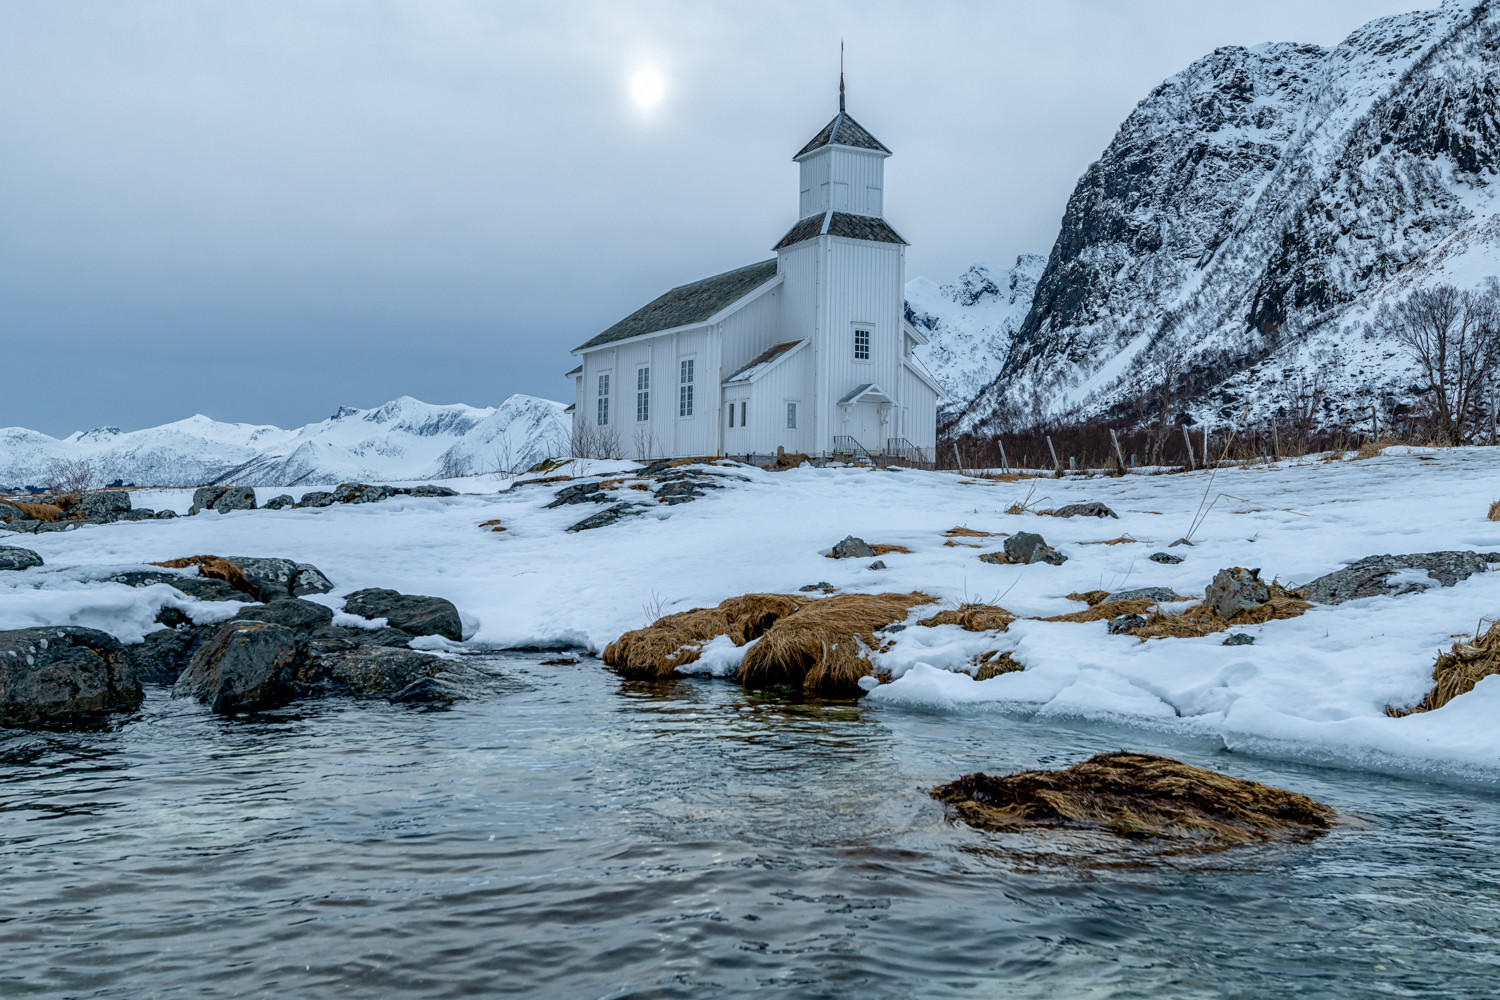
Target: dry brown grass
[661,647]
[1457,671]
[952,544]
[1494,514]
[493,525]
[640,486]
[885,550]
[973,618]
[998,558]
[1089,597]
[217,568]
[962,532]
[1104,610]
[1139,795]
[1371,449]
[38,511]
[1200,620]
[821,646]
[1122,540]
[995,663]
[789,461]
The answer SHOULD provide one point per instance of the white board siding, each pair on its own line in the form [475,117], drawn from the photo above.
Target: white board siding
[664,434]
[863,287]
[918,422]
[858,173]
[749,332]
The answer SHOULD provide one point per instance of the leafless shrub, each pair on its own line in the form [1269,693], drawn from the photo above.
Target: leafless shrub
[1454,338]
[71,475]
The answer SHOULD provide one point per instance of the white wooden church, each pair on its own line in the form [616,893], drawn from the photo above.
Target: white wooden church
[808,351]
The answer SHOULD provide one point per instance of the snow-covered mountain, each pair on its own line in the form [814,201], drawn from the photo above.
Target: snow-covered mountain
[970,323]
[401,440]
[1251,216]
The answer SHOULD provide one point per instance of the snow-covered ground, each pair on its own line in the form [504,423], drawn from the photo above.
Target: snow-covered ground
[1313,687]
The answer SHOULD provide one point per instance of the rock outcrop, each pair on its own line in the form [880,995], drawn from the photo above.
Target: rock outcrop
[411,613]
[62,675]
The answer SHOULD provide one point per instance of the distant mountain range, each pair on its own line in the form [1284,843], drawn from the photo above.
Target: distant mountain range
[1238,235]
[404,439]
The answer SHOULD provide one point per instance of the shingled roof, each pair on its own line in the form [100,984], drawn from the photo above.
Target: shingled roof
[842,131]
[846,224]
[688,304]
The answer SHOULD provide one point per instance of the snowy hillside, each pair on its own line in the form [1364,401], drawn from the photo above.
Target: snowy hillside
[970,323]
[401,440]
[1253,212]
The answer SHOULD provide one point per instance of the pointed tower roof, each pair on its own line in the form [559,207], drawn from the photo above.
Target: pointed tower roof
[843,131]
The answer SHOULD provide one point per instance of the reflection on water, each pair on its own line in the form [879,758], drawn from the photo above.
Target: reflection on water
[576,837]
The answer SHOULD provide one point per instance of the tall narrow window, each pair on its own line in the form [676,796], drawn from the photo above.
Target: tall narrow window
[861,345]
[685,388]
[743,403]
[603,400]
[791,416]
[643,394]
[731,414]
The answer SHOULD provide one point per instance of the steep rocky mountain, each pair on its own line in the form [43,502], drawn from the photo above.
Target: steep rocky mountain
[1250,218]
[970,323]
[402,440]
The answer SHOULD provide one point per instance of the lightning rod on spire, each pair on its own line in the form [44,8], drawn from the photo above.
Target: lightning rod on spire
[841,76]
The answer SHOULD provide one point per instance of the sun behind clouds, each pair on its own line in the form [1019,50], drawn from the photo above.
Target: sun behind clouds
[647,87]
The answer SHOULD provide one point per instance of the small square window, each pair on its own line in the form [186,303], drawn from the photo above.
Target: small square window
[861,345]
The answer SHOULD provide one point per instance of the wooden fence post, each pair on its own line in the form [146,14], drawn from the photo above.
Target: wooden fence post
[1205,446]
[1004,462]
[1119,455]
[1056,463]
[1188,441]
[956,460]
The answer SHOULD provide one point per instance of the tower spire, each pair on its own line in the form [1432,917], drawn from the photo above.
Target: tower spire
[841,76]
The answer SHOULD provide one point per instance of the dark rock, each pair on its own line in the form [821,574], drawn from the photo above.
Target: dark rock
[361,493]
[278,502]
[164,654]
[13,558]
[338,639]
[9,512]
[1492,557]
[382,671]
[604,518]
[41,527]
[172,617]
[1125,624]
[410,613]
[1239,639]
[878,564]
[163,515]
[822,585]
[316,498]
[995,558]
[295,614]
[681,491]
[1234,590]
[427,691]
[429,490]
[105,506]
[1092,508]
[1368,577]
[852,548]
[1165,558]
[578,493]
[201,587]
[245,666]
[222,499]
[1025,547]
[63,674]
[138,514]
[275,578]
[1143,594]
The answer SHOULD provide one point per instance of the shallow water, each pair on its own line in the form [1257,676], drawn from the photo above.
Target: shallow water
[574,836]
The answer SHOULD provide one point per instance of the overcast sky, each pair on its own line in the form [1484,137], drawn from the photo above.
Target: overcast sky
[263,210]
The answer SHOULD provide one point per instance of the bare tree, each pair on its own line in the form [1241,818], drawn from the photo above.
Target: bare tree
[1454,337]
[71,475]
[1304,406]
[645,444]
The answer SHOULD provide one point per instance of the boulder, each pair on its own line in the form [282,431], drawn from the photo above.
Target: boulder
[852,548]
[1125,624]
[1239,639]
[578,493]
[1374,576]
[411,613]
[245,666]
[1025,547]
[316,498]
[429,490]
[273,578]
[294,613]
[361,493]
[338,639]
[382,671]
[606,517]
[1234,590]
[63,674]
[278,502]
[201,587]
[878,564]
[1157,594]
[163,515]
[104,506]
[163,655]
[222,499]
[1165,558]
[14,558]
[1091,508]
[822,586]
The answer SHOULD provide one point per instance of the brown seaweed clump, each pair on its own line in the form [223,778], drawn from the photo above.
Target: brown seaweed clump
[994,663]
[217,568]
[973,618]
[661,647]
[1458,670]
[1139,796]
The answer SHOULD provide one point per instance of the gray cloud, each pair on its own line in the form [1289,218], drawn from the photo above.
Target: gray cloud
[260,211]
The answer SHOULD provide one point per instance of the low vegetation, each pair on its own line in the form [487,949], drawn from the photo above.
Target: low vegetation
[823,645]
[677,639]
[1458,670]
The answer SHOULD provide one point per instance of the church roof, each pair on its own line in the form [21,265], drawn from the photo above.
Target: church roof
[688,304]
[842,131]
[846,224]
[763,361]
